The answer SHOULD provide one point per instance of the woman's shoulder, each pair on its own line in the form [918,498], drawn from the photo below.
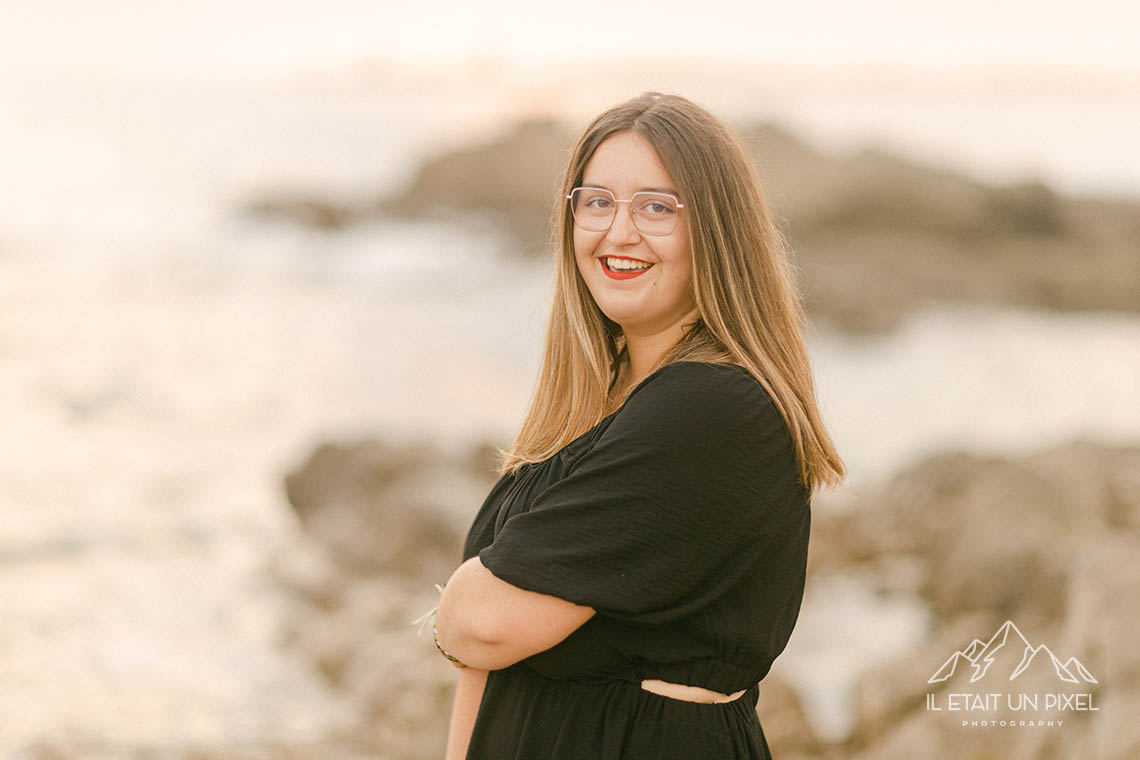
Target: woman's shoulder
[700,416]
[700,378]
[700,393]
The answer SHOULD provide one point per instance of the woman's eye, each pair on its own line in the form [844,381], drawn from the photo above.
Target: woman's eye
[657,209]
[598,202]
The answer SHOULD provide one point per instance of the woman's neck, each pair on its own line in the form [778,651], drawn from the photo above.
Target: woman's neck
[644,351]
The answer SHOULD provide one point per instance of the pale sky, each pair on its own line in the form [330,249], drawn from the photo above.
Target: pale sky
[238,39]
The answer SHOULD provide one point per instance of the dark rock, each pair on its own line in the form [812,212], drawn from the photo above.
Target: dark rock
[786,726]
[380,524]
[381,508]
[1049,540]
[303,210]
[875,234]
[515,178]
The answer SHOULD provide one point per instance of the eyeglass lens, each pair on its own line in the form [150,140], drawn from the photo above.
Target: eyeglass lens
[653,213]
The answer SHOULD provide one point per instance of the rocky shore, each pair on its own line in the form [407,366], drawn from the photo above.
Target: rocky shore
[875,234]
[1050,540]
[1045,543]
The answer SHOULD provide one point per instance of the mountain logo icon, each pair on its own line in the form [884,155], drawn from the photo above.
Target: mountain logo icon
[1009,652]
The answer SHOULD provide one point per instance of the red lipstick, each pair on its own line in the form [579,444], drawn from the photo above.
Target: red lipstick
[616,275]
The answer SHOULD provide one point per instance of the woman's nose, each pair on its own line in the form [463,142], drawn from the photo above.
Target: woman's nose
[623,230]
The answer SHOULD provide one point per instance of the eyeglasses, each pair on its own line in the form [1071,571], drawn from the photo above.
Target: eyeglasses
[653,214]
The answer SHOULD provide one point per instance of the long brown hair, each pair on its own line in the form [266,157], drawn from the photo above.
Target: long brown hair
[751,313]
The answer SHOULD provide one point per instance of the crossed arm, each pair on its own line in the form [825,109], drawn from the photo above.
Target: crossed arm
[490,624]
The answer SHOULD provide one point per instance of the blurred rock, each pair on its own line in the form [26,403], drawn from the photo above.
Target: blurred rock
[1050,540]
[878,235]
[305,570]
[973,519]
[888,693]
[784,721]
[514,179]
[303,209]
[381,524]
[875,234]
[381,508]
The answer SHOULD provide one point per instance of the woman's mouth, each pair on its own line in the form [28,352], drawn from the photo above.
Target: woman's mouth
[623,268]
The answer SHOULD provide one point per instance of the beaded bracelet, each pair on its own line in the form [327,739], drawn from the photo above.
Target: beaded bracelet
[444,652]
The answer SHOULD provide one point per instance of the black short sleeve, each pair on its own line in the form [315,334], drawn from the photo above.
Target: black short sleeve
[676,500]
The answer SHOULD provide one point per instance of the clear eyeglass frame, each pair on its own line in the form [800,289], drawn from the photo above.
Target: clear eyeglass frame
[646,226]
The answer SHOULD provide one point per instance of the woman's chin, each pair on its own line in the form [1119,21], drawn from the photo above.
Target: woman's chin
[625,318]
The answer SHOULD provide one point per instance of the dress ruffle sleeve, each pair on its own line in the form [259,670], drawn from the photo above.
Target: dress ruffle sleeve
[673,504]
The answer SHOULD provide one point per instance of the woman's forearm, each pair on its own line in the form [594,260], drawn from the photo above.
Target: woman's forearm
[490,624]
[462,621]
[468,696]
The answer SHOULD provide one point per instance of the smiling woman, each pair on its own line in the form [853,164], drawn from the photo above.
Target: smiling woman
[650,242]
[640,563]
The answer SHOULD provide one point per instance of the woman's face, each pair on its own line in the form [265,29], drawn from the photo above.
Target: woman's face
[659,297]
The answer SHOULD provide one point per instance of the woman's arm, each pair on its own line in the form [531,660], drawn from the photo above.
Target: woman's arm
[468,695]
[488,623]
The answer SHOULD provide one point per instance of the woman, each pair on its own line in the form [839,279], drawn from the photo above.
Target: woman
[640,563]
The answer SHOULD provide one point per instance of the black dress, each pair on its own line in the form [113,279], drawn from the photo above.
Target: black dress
[681,520]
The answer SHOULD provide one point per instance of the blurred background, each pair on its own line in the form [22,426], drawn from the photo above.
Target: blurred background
[274,277]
